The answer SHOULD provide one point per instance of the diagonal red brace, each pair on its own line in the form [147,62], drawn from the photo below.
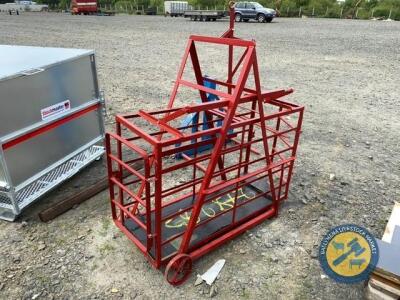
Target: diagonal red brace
[273,95]
[195,108]
[159,123]
[266,96]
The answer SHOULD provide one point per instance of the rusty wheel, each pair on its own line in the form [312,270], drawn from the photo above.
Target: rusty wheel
[178,269]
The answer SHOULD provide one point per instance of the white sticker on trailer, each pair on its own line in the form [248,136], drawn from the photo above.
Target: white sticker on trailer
[55,110]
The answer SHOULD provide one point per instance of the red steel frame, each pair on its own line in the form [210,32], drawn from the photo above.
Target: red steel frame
[49,127]
[256,143]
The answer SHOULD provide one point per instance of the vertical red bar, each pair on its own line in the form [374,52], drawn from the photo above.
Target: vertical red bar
[230,67]
[238,175]
[277,127]
[231,16]
[158,202]
[120,177]
[110,174]
[149,232]
[250,135]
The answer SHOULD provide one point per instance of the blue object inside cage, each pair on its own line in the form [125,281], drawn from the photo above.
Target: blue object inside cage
[193,119]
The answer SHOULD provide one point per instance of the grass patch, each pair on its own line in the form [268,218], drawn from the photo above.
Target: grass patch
[106,248]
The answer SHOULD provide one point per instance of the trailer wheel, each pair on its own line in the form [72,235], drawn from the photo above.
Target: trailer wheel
[238,18]
[178,269]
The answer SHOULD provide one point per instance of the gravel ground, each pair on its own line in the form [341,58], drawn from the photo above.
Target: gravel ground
[345,72]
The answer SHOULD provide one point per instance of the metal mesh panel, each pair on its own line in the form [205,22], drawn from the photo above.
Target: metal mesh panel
[57,175]
[5,201]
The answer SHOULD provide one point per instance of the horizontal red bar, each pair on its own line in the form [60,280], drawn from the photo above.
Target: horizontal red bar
[130,145]
[159,123]
[223,41]
[49,127]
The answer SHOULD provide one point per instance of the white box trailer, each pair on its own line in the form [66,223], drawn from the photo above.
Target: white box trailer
[23,6]
[51,121]
[176,8]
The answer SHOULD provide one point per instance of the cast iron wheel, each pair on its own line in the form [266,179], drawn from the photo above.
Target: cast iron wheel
[178,269]
[238,18]
[261,18]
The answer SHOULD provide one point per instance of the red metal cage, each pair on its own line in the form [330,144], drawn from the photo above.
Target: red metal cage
[208,181]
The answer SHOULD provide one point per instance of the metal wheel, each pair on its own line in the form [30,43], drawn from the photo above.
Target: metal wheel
[238,18]
[178,269]
[261,18]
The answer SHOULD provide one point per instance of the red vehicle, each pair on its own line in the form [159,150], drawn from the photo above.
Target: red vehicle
[85,7]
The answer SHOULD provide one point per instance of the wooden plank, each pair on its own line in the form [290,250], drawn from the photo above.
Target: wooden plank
[385,285]
[389,262]
[376,294]
[66,204]
[385,280]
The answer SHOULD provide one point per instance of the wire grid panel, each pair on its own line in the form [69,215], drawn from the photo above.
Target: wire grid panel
[5,201]
[55,176]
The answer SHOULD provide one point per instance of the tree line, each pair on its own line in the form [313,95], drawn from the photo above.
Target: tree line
[360,9]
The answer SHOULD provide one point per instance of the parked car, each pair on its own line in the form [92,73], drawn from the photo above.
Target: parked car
[244,11]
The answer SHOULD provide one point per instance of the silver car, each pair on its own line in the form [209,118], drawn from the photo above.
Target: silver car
[244,11]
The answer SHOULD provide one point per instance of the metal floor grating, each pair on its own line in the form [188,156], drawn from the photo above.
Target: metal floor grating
[51,179]
[5,201]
